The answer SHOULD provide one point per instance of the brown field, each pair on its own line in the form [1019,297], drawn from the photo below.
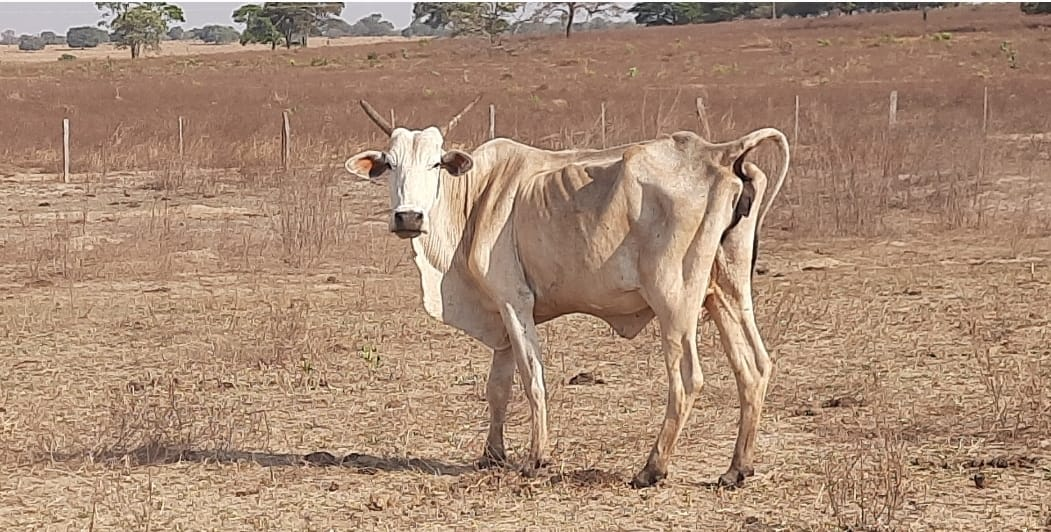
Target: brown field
[176,336]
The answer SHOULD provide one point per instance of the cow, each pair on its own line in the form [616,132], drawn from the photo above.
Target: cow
[510,236]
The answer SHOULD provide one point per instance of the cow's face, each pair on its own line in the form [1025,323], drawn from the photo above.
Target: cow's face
[413,163]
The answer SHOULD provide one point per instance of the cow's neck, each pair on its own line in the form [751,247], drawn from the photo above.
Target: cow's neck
[448,218]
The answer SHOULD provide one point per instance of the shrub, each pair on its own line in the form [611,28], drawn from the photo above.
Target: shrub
[30,43]
[51,39]
[86,37]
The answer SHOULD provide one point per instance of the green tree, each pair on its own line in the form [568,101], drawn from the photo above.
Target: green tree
[481,18]
[139,25]
[676,13]
[258,26]
[50,38]
[176,33]
[9,37]
[30,43]
[294,21]
[335,27]
[1035,8]
[665,13]
[215,34]
[85,37]
[567,11]
[372,26]
[435,15]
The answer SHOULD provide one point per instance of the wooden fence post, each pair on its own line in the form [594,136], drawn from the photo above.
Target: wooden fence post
[492,121]
[795,126]
[392,117]
[893,118]
[703,117]
[182,151]
[65,150]
[985,111]
[602,121]
[286,134]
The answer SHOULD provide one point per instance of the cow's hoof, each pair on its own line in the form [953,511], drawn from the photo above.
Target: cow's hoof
[647,478]
[533,468]
[491,460]
[734,478]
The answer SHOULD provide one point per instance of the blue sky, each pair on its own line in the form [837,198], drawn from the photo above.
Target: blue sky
[35,17]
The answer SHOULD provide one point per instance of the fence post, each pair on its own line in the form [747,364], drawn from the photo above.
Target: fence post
[65,150]
[602,120]
[286,134]
[795,127]
[492,121]
[703,117]
[985,110]
[893,118]
[181,150]
[392,117]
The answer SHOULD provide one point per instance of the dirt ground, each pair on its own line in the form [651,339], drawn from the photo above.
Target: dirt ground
[202,349]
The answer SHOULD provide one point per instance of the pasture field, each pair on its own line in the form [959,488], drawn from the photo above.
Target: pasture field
[214,343]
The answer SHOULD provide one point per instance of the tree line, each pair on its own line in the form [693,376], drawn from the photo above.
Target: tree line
[138,26]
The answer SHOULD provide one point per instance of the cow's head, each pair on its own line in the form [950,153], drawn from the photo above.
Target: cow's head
[415,160]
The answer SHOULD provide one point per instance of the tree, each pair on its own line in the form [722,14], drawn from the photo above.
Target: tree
[30,43]
[566,11]
[50,38]
[1035,8]
[85,37]
[258,27]
[176,33]
[435,15]
[215,34]
[335,27]
[664,13]
[481,18]
[293,21]
[675,13]
[138,25]
[9,37]
[372,26]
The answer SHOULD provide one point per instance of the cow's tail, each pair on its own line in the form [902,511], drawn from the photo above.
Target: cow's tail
[739,149]
[736,151]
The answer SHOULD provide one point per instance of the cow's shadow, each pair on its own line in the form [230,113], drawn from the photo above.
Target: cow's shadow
[160,454]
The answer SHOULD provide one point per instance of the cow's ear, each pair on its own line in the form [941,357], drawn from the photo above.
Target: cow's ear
[368,164]
[456,162]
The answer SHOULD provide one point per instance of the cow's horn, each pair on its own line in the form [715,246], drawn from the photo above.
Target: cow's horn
[383,124]
[452,123]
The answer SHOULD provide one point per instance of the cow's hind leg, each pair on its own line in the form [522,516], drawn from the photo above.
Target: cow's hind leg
[730,306]
[678,317]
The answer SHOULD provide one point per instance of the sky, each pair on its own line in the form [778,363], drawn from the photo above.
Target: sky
[35,17]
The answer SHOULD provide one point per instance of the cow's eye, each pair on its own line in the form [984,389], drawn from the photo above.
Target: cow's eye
[437,164]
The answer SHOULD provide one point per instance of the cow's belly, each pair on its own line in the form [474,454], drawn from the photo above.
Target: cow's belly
[562,285]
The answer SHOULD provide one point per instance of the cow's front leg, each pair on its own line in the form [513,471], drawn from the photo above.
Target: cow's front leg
[498,393]
[525,343]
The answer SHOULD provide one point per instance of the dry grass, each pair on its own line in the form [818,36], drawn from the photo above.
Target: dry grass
[185,342]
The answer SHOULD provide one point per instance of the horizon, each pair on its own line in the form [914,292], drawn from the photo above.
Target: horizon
[32,18]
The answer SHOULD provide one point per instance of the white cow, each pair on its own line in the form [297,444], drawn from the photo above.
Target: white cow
[510,236]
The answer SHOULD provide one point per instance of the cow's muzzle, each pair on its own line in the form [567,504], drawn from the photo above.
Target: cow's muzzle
[407,224]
